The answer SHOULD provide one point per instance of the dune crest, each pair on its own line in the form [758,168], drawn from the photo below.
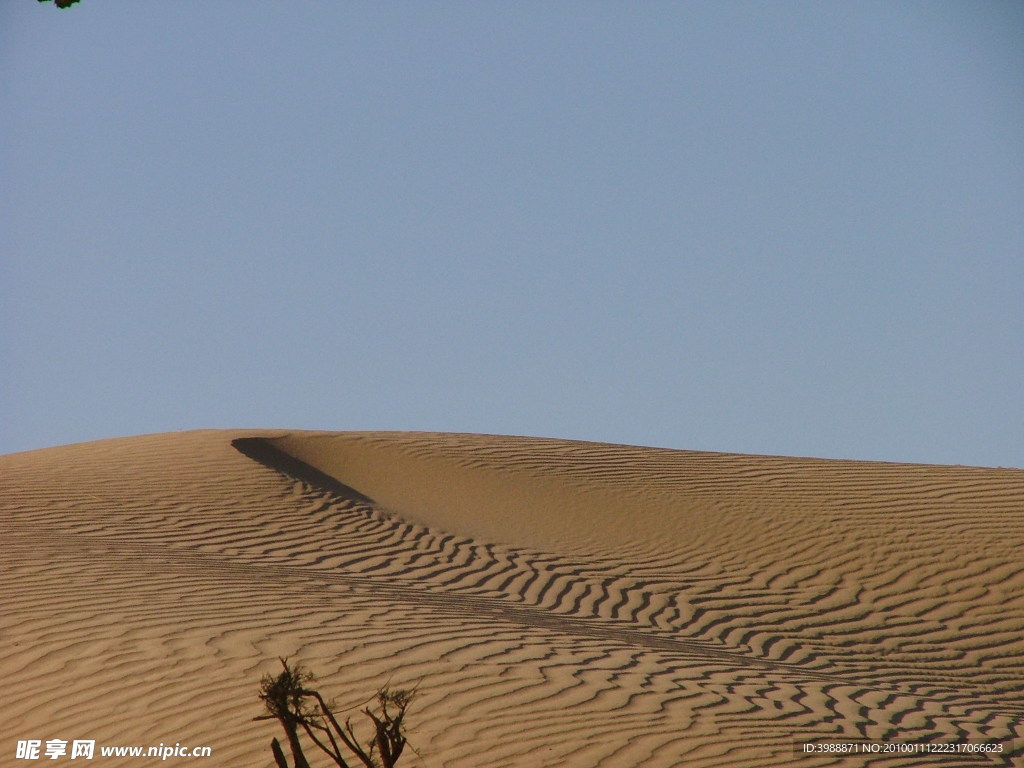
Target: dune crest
[560,603]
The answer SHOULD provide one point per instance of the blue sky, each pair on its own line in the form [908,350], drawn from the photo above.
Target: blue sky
[786,228]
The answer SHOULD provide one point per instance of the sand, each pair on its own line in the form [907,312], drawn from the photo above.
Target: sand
[558,603]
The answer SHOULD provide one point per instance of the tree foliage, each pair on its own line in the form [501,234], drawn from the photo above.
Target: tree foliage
[300,709]
[61,3]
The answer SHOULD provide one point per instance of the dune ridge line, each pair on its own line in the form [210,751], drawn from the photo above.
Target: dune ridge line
[562,603]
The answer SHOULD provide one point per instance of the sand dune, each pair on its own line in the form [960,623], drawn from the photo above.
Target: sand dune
[559,603]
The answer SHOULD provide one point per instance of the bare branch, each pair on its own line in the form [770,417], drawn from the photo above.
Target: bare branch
[296,706]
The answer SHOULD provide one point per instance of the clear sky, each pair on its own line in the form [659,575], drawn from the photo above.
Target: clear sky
[787,228]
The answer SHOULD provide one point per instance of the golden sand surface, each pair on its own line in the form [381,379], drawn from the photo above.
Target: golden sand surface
[557,603]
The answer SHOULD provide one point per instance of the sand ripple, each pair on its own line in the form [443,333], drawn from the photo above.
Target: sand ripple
[559,603]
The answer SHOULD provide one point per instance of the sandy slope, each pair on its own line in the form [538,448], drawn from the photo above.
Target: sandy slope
[559,603]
